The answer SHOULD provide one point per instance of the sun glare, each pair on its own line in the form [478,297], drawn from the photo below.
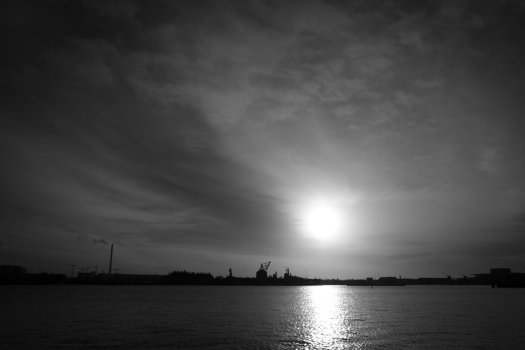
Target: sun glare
[322,220]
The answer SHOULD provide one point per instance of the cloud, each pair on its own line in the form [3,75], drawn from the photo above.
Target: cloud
[178,125]
[100,241]
[84,63]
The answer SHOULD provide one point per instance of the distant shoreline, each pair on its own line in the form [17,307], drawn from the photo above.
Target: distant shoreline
[503,278]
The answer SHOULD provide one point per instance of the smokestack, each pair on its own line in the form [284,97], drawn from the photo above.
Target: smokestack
[111,259]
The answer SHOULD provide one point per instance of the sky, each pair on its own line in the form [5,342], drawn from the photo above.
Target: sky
[195,135]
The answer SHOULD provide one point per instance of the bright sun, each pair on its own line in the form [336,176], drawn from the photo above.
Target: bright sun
[322,220]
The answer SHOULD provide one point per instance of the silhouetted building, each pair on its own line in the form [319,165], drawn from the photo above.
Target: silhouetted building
[500,271]
[261,274]
[501,277]
[505,278]
[184,277]
[11,270]
[12,274]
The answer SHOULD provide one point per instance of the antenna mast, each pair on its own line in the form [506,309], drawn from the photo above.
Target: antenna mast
[111,259]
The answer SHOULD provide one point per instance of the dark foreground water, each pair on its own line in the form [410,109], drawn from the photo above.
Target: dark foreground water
[250,317]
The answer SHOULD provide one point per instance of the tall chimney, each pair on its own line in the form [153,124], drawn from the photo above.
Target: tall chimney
[111,259]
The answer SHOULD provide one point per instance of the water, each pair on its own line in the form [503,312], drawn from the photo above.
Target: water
[251,317]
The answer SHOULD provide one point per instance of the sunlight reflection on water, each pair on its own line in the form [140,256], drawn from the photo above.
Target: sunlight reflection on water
[328,309]
[249,317]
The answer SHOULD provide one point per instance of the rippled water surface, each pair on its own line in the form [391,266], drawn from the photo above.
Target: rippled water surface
[250,317]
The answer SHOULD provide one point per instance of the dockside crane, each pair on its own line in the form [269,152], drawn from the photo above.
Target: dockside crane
[264,266]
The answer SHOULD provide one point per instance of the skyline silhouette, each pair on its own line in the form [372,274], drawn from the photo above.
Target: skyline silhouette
[496,278]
